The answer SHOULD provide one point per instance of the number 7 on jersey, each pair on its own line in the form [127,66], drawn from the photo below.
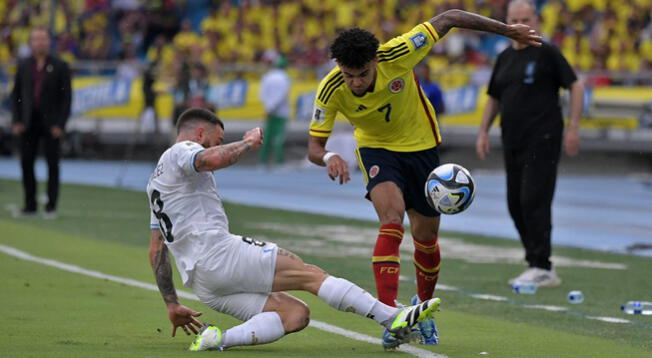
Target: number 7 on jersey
[387,107]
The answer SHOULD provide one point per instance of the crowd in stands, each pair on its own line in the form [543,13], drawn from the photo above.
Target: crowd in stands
[593,34]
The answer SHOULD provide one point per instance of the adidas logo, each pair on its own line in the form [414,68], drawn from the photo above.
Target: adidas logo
[361,108]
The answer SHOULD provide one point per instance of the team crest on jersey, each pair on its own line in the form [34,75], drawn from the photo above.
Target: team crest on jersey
[419,40]
[319,115]
[396,85]
[373,171]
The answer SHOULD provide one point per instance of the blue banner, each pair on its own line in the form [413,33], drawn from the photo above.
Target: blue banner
[105,94]
[229,95]
[461,100]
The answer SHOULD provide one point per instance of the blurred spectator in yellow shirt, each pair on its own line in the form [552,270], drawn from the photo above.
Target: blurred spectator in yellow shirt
[186,37]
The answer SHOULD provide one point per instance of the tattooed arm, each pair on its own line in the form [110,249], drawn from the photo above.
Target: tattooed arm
[223,156]
[179,315]
[466,20]
[160,261]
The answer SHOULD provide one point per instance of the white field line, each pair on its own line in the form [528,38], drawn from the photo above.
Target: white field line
[418,352]
[484,296]
[609,319]
[365,338]
[547,308]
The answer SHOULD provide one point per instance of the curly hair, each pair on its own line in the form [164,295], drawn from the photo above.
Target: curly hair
[354,47]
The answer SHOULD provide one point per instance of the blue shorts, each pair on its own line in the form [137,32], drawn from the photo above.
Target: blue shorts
[408,170]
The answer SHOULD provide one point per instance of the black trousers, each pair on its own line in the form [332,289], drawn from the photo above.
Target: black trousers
[531,178]
[29,146]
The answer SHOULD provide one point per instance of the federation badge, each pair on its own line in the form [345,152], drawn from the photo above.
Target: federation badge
[396,85]
[373,171]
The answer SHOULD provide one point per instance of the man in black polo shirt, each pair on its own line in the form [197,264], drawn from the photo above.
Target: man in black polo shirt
[524,88]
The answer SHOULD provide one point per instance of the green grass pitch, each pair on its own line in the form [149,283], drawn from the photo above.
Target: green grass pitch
[47,312]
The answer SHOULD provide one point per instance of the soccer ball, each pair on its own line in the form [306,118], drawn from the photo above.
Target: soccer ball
[450,189]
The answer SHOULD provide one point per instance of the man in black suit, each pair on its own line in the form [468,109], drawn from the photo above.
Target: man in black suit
[41,106]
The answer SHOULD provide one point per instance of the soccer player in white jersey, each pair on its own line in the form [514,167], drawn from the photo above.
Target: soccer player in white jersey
[233,274]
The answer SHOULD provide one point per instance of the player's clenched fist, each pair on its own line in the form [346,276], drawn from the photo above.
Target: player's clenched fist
[254,137]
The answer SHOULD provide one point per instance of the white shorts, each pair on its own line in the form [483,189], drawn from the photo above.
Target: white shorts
[236,278]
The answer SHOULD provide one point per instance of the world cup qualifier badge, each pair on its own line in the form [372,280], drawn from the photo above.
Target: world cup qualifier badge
[319,115]
[419,40]
[396,85]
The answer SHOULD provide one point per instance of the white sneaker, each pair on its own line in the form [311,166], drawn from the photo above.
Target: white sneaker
[538,276]
[547,278]
[525,276]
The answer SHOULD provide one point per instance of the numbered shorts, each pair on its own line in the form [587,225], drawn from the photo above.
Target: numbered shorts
[408,170]
[236,278]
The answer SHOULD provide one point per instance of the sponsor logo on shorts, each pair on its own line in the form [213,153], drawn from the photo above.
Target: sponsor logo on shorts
[373,171]
[396,85]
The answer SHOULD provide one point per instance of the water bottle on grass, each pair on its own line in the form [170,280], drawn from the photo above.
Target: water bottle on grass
[637,307]
[526,288]
[575,297]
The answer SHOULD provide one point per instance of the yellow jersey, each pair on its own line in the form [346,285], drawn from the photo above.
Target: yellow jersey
[396,115]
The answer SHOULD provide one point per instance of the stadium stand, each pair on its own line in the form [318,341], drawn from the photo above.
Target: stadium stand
[589,32]
[229,37]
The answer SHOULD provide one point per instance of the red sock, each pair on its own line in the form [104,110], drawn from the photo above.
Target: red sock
[426,260]
[387,263]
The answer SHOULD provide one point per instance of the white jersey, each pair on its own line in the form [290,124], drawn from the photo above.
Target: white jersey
[185,207]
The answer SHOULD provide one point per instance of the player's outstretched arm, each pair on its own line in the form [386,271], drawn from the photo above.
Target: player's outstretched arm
[180,316]
[223,156]
[466,20]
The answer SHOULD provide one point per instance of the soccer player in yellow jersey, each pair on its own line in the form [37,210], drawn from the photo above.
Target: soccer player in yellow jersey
[397,135]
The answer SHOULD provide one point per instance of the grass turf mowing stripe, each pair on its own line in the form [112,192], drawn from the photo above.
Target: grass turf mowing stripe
[418,352]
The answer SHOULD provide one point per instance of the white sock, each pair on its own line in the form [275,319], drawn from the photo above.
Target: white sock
[262,328]
[346,296]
